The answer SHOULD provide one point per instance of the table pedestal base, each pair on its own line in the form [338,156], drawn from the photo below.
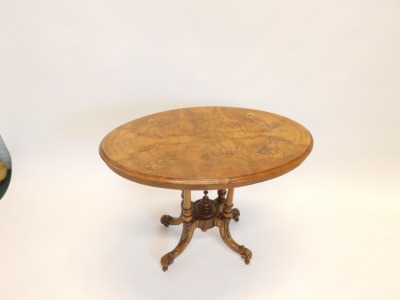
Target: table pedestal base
[204,214]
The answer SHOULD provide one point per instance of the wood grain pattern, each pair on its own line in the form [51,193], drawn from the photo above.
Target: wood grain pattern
[206,148]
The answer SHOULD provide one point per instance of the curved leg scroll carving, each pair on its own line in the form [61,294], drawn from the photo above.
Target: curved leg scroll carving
[227,238]
[167,220]
[235,214]
[223,223]
[187,234]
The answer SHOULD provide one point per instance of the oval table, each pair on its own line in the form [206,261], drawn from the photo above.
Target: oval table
[206,148]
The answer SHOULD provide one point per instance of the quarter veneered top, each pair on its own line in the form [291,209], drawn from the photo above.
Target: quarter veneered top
[206,148]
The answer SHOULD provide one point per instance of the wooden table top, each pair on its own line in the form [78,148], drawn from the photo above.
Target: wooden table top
[206,148]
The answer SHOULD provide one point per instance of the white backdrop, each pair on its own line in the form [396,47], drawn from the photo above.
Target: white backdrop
[71,71]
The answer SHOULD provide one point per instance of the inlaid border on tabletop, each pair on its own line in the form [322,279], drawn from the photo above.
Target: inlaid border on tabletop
[205,148]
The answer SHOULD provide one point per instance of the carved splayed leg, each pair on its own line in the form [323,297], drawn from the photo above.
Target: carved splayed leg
[187,234]
[227,238]
[223,223]
[189,225]
[167,220]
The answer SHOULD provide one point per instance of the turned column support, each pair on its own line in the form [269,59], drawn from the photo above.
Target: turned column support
[227,208]
[187,206]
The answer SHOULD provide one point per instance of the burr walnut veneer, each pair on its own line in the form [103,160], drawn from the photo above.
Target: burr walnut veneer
[206,148]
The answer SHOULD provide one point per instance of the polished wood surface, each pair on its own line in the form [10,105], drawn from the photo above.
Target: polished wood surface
[206,148]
